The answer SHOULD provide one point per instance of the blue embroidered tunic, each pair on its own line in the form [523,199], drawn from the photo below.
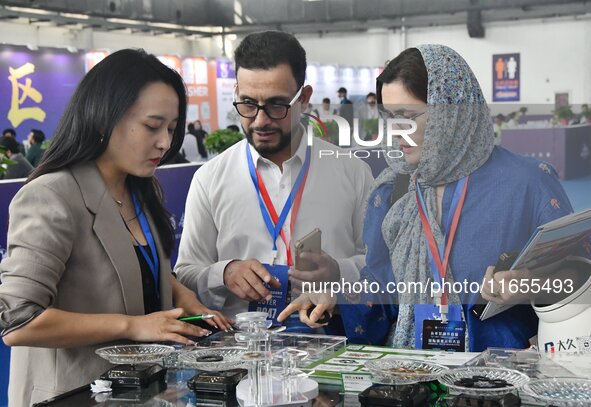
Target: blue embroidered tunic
[507,199]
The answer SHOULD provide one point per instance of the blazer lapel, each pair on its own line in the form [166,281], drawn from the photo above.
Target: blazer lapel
[112,234]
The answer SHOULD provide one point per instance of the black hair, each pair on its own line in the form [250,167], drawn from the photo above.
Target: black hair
[9,131]
[268,49]
[409,68]
[342,90]
[370,94]
[10,144]
[190,127]
[233,127]
[105,94]
[38,136]
[326,100]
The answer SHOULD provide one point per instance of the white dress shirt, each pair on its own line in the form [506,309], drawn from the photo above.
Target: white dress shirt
[223,220]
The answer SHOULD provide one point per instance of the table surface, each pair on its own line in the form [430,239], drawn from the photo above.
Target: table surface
[176,393]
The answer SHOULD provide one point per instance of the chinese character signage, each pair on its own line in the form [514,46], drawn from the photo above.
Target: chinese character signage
[35,87]
[506,77]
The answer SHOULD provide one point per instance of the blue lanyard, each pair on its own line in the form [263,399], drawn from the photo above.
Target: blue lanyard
[155,264]
[275,230]
[454,206]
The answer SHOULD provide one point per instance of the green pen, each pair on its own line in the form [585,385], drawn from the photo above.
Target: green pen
[196,317]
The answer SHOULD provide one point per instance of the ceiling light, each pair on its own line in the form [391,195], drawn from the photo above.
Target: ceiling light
[124,21]
[28,10]
[74,15]
[203,29]
[166,25]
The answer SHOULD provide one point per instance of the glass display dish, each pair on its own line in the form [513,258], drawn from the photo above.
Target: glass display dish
[530,362]
[403,371]
[134,354]
[213,359]
[490,380]
[561,391]
[317,346]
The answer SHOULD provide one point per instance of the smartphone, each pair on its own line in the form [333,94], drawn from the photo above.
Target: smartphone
[312,242]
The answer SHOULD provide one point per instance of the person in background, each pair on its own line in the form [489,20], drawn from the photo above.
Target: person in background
[346,109]
[342,95]
[326,110]
[21,167]
[233,127]
[370,108]
[35,152]
[89,240]
[522,114]
[178,158]
[200,135]
[12,133]
[368,113]
[189,148]
[585,116]
[512,120]
[9,133]
[453,180]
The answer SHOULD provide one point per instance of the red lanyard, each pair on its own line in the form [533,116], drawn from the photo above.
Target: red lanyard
[273,212]
[431,244]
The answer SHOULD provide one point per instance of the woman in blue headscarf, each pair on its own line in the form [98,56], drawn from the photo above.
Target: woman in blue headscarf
[453,179]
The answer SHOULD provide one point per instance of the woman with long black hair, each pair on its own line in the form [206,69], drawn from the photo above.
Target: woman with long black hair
[89,239]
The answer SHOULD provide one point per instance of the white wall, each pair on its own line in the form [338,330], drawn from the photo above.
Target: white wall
[365,49]
[555,54]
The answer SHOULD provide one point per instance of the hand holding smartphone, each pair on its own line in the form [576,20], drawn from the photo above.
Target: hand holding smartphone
[504,263]
[312,242]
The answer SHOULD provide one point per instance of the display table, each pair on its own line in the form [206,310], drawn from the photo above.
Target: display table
[176,392]
[567,149]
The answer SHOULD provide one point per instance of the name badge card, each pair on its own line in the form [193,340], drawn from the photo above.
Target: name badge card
[276,304]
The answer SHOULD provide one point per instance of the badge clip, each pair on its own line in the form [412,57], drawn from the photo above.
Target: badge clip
[443,309]
[273,257]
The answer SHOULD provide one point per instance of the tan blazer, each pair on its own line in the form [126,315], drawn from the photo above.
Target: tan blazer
[68,248]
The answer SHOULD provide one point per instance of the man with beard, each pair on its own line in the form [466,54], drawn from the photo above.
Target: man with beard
[234,233]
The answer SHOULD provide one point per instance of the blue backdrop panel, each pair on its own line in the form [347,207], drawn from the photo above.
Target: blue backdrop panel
[7,191]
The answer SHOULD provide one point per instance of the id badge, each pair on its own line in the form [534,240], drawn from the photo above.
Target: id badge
[276,304]
[431,331]
[448,336]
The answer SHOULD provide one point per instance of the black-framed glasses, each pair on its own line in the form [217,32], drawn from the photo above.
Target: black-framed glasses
[275,111]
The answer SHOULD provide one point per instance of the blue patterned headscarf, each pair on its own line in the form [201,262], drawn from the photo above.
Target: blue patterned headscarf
[459,138]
